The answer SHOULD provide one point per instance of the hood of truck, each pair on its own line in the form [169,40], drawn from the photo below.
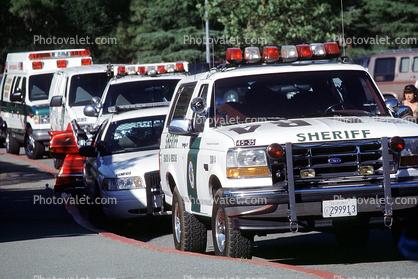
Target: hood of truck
[318,130]
[129,164]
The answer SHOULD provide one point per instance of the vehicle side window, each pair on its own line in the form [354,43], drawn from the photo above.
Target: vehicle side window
[182,101]
[404,66]
[17,83]
[24,87]
[199,120]
[415,64]
[384,69]
[100,132]
[2,89]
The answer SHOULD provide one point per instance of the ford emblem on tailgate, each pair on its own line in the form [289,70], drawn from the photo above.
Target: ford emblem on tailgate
[334,160]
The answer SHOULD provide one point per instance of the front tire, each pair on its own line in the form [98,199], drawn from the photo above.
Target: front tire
[189,233]
[33,148]
[12,145]
[228,241]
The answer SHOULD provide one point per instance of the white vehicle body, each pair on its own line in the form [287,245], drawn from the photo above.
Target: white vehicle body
[72,89]
[134,89]
[128,156]
[266,148]
[24,96]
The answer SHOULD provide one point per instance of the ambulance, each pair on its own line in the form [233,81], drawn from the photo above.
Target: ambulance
[72,89]
[24,96]
[295,141]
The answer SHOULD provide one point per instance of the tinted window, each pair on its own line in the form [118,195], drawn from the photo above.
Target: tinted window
[139,92]
[384,69]
[39,87]
[183,102]
[134,134]
[295,95]
[84,87]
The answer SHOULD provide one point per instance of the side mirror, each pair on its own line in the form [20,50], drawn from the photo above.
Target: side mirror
[95,101]
[180,127]
[198,105]
[16,96]
[56,101]
[392,104]
[101,145]
[90,110]
[404,112]
[87,151]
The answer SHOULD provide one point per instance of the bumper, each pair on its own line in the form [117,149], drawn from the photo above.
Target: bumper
[270,210]
[42,136]
[131,203]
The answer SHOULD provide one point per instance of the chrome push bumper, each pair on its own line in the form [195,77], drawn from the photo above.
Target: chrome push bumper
[273,209]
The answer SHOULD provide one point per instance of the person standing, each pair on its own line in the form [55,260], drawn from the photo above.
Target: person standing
[410,93]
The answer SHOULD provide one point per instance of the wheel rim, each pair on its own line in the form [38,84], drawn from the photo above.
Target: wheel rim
[7,142]
[177,225]
[220,230]
[31,143]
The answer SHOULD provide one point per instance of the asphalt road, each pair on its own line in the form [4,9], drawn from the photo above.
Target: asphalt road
[41,240]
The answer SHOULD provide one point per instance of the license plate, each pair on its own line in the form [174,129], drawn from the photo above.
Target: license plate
[339,208]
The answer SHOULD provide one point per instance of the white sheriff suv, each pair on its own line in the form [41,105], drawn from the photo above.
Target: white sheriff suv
[293,142]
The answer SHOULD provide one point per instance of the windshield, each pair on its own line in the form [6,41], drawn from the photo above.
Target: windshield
[294,95]
[39,87]
[134,134]
[139,92]
[84,87]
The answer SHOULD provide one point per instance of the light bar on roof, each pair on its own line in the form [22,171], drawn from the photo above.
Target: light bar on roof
[270,54]
[318,50]
[252,55]
[304,51]
[137,106]
[332,49]
[289,53]
[234,55]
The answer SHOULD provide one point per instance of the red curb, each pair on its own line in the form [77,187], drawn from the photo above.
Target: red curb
[73,211]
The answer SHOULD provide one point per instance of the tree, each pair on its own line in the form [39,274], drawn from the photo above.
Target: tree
[275,22]
[162,30]
[373,26]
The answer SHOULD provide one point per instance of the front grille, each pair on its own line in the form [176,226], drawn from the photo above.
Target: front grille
[337,162]
[152,181]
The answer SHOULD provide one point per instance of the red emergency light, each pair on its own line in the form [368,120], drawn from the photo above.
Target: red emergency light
[270,54]
[40,55]
[85,61]
[234,55]
[37,65]
[61,63]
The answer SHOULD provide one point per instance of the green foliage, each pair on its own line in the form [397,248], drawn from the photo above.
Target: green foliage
[275,22]
[171,30]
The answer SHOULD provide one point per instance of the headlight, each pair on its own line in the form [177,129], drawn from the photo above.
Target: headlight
[246,162]
[409,156]
[41,119]
[114,184]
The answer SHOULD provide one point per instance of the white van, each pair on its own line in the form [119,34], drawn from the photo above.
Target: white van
[24,96]
[394,69]
[72,89]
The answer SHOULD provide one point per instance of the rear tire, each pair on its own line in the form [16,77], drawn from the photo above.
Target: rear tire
[189,233]
[228,241]
[33,148]
[12,145]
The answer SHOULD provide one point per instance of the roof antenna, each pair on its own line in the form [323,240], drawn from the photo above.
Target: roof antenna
[342,26]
